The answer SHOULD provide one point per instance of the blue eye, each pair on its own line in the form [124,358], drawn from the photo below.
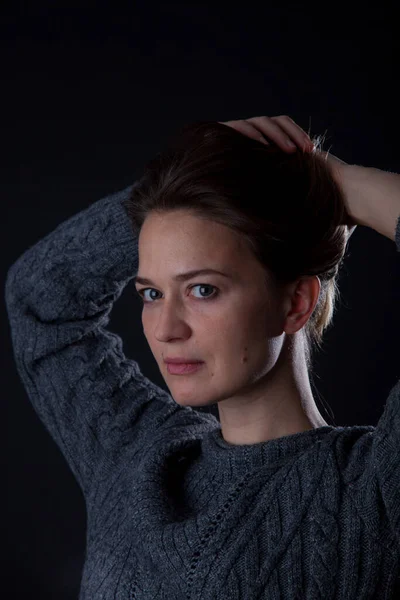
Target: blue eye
[199,285]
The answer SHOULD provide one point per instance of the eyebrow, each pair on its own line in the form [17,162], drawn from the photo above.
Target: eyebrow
[183,276]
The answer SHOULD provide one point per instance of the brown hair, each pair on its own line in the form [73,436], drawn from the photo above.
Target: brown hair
[287,206]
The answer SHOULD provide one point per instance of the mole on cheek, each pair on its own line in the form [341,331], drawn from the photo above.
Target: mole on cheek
[244,357]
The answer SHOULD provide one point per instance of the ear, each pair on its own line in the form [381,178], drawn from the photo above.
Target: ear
[301,300]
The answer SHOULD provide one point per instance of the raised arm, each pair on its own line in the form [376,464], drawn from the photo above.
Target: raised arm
[59,295]
[373,198]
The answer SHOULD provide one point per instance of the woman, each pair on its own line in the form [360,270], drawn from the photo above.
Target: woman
[270,501]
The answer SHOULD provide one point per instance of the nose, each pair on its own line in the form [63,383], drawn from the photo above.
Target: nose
[171,324]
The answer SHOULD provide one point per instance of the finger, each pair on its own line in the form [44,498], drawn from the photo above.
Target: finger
[247,129]
[274,131]
[282,130]
[294,130]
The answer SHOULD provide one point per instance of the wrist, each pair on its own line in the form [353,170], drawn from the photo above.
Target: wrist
[372,197]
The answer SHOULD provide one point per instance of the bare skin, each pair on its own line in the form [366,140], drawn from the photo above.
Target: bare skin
[249,337]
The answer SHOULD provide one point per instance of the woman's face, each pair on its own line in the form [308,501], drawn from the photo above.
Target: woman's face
[231,322]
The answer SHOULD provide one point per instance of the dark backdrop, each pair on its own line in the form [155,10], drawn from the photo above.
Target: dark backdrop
[89,94]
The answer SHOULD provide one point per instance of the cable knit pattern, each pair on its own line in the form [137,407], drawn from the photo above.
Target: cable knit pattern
[174,511]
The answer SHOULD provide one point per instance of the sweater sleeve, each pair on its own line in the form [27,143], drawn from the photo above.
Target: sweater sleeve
[376,465]
[59,295]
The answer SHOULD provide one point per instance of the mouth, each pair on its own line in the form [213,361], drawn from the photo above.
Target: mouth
[183,368]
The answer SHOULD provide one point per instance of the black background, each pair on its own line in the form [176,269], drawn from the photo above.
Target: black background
[91,92]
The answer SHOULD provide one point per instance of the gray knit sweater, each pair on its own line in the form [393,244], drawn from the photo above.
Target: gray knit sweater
[173,511]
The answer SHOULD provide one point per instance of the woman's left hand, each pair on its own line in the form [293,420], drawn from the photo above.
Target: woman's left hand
[289,136]
[281,130]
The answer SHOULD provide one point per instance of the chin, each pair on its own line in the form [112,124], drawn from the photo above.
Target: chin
[192,402]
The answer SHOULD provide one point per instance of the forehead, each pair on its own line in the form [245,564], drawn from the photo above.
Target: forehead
[180,235]
[178,242]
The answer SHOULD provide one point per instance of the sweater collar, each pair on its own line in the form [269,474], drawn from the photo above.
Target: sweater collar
[219,454]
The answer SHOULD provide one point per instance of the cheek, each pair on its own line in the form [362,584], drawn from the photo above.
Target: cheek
[145,324]
[148,330]
[241,343]
[252,341]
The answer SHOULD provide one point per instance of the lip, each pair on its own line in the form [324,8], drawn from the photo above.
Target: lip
[181,360]
[183,368]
